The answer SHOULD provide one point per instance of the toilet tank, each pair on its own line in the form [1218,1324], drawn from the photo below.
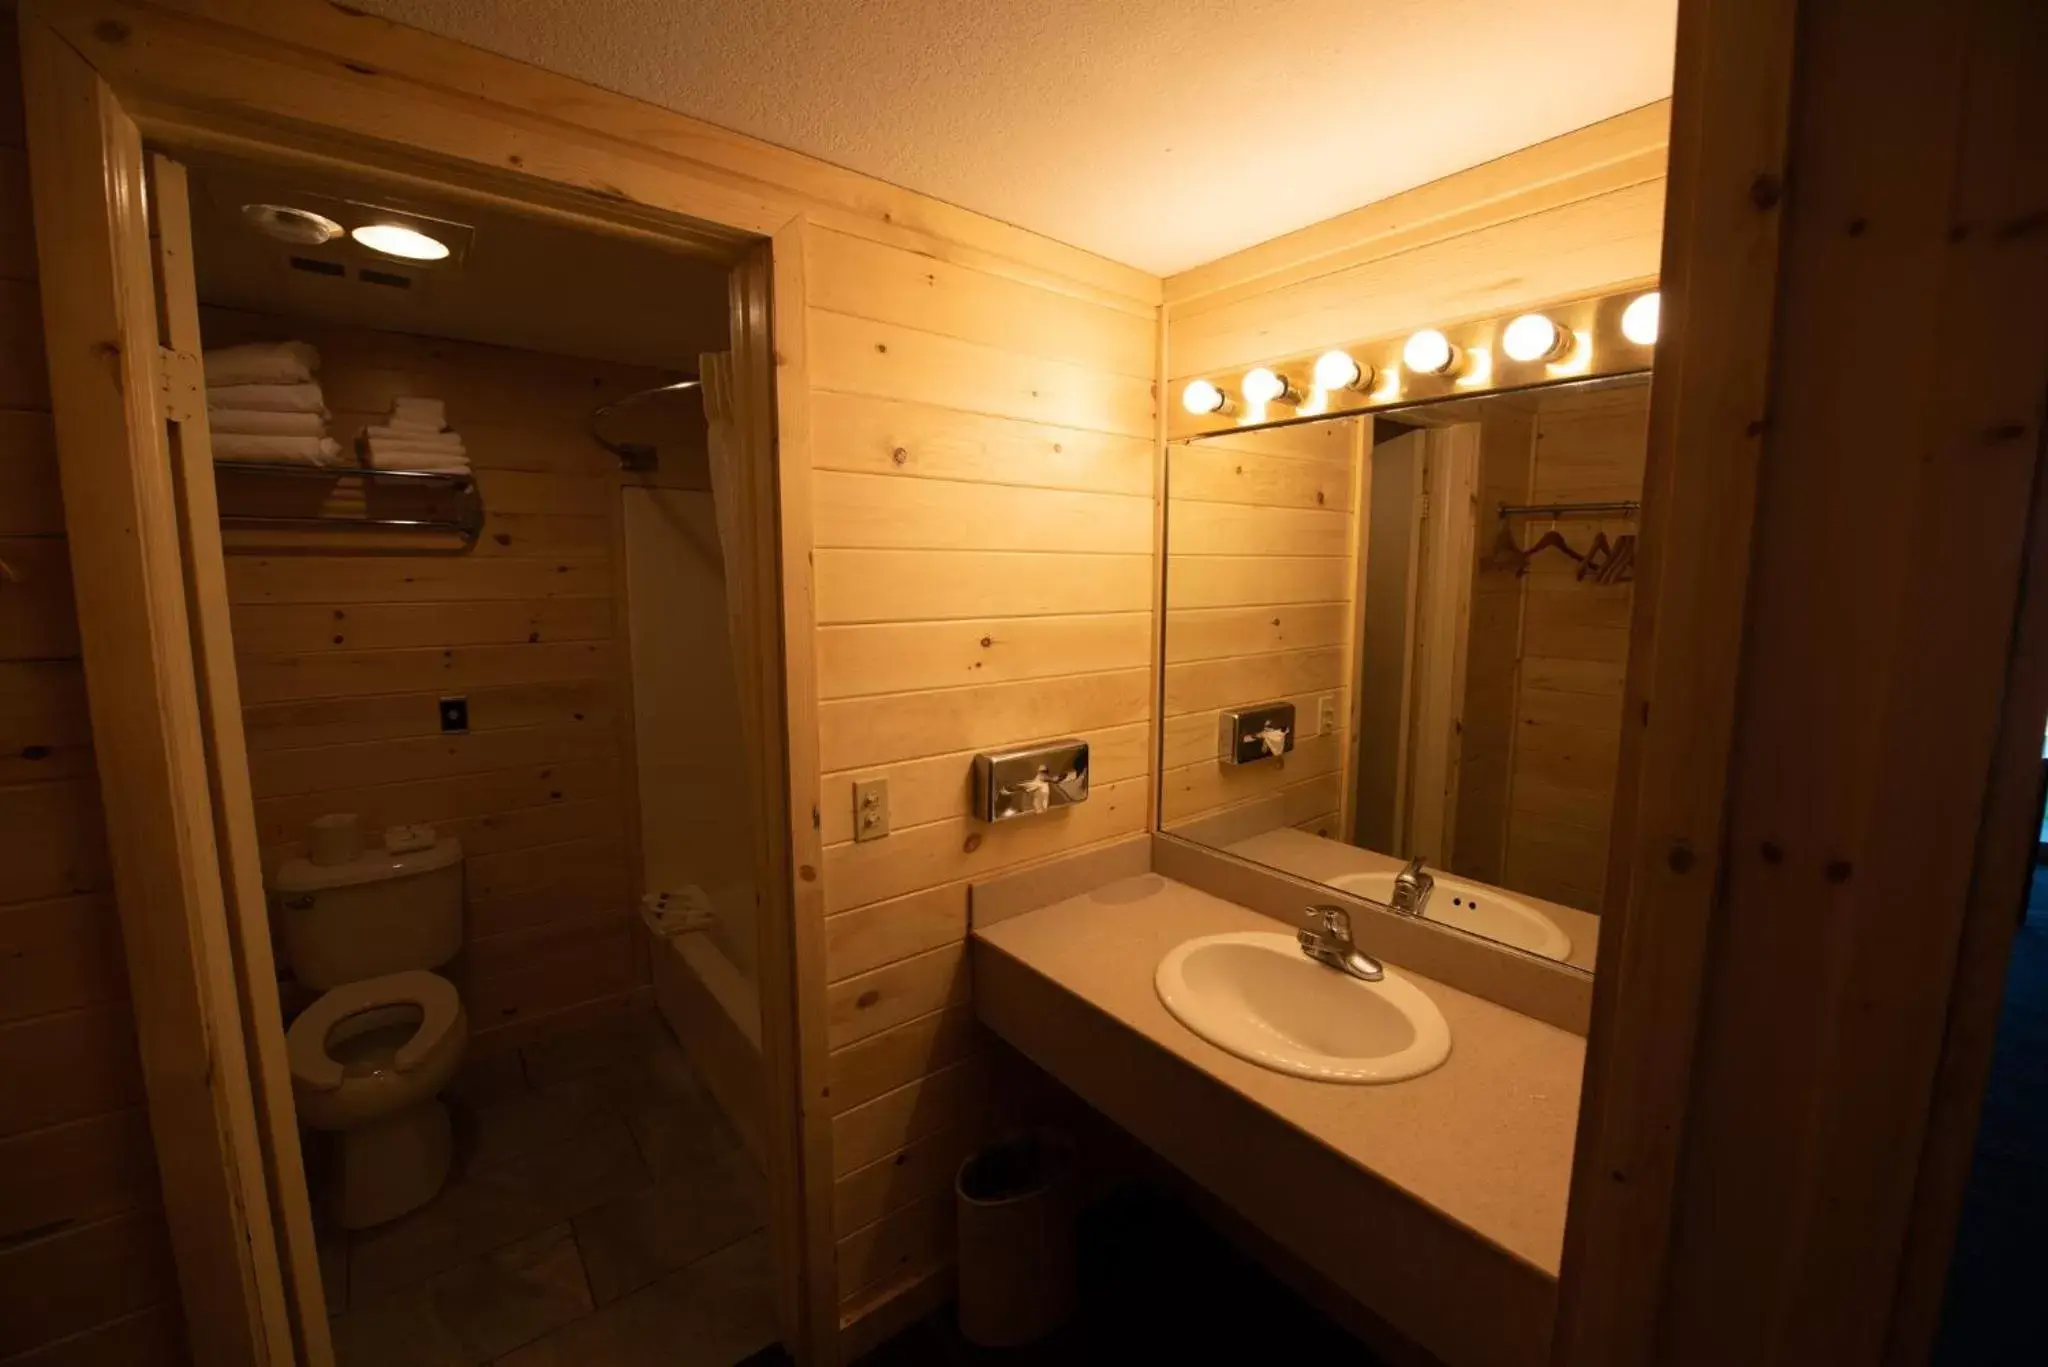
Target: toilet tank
[374,914]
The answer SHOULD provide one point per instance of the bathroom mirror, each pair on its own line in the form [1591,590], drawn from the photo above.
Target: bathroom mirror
[1402,636]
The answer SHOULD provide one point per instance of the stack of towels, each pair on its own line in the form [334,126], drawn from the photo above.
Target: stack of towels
[415,437]
[263,404]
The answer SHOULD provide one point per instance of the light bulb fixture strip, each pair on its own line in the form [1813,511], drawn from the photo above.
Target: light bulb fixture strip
[1587,338]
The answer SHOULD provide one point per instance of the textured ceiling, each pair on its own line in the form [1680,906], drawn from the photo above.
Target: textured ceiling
[1160,133]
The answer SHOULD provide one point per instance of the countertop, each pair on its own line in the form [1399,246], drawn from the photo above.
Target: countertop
[1485,1140]
[1307,855]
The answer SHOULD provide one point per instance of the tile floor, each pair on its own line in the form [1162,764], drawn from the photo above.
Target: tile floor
[602,1214]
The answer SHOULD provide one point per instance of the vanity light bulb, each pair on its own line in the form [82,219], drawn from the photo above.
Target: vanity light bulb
[1340,370]
[1639,319]
[1264,386]
[1429,352]
[1532,337]
[1202,399]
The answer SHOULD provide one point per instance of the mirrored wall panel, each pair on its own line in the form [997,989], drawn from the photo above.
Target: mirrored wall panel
[1394,651]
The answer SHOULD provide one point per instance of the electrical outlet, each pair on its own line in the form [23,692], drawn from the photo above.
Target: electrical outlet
[454,715]
[870,808]
[1326,714]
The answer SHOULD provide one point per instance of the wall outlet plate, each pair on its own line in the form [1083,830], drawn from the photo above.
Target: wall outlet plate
[454,715]
[1326,714]
[870,808]
[1239,733]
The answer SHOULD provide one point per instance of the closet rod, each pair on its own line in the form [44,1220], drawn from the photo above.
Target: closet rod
[1612,508]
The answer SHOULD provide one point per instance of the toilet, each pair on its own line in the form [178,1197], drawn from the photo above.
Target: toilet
[371,1055]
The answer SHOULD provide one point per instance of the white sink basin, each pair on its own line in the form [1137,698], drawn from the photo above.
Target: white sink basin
[1259,997]
[1474,907]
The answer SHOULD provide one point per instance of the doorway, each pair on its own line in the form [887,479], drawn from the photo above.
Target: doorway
[478,547]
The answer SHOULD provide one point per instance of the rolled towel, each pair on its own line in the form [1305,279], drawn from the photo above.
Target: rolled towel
[261,363]
[268,398]
[406,436]
[257,422]
[430,412]
[253,446]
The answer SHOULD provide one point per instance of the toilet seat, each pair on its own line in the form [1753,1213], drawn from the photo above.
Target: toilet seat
[314,1068]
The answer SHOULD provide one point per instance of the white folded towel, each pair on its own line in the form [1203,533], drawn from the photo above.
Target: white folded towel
[268,398]
[414,427]
[282,450]
[429,412]
[406,436]
[256,421]
[261,363]
[379,459]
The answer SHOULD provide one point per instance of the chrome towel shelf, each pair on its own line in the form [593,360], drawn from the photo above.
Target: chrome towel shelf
[466,519]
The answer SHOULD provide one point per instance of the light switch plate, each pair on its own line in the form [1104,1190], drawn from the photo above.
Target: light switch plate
[1326,714]
[870,808]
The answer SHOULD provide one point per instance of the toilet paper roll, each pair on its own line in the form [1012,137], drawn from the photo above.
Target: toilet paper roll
[333,839]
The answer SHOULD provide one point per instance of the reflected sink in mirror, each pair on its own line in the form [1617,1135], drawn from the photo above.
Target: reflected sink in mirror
[1471,907]
[1256,995]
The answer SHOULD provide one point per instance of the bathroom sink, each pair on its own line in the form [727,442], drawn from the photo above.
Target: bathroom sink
[1474,907]
[1258,996]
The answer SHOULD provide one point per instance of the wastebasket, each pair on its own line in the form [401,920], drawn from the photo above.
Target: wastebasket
[1016,1232]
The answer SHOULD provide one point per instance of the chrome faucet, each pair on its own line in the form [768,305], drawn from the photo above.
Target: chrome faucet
[1328,941]
[1412,887]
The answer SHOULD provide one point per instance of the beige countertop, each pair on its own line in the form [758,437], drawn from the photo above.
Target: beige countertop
[1484,1140]
[1307,855]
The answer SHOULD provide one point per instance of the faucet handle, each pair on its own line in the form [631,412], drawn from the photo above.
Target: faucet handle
[1335,920]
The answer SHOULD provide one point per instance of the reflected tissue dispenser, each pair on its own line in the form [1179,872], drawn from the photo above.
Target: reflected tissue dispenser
[1249,734]
[1026,782]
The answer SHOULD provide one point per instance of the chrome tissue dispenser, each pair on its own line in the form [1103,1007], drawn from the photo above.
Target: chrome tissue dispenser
[1025,782]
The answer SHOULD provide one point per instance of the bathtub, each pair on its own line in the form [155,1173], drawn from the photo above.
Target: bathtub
[716,1014]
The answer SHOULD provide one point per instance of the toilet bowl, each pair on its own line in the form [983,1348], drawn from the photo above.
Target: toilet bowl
[367,1060]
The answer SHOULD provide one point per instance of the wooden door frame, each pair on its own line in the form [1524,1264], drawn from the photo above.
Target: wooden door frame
[1748,1185]
[174,92]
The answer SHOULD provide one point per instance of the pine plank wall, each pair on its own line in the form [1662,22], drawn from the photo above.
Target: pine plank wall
[85,1260]
[1260,607]
[343,658]
[983,455]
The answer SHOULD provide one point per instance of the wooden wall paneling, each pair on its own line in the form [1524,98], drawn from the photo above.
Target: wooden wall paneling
[985,549]
[76,1152]
[1625,150]
[343,658]
[98,295]
[463,115]
[1730,114]
[1898,665]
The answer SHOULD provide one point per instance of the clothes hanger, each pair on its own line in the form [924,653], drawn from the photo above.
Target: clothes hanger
[1621,565]
[1552,540]
[1598,556]
[1507,553]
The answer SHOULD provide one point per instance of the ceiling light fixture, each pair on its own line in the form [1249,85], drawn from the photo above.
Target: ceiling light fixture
[1341,370]
[395,239]
[1429,352]
[1204,399]
[1639,320]
[1533,337]
[300,227]
[1261,385]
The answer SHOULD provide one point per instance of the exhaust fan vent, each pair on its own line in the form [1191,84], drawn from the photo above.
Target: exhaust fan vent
[314,266]
[390,278]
